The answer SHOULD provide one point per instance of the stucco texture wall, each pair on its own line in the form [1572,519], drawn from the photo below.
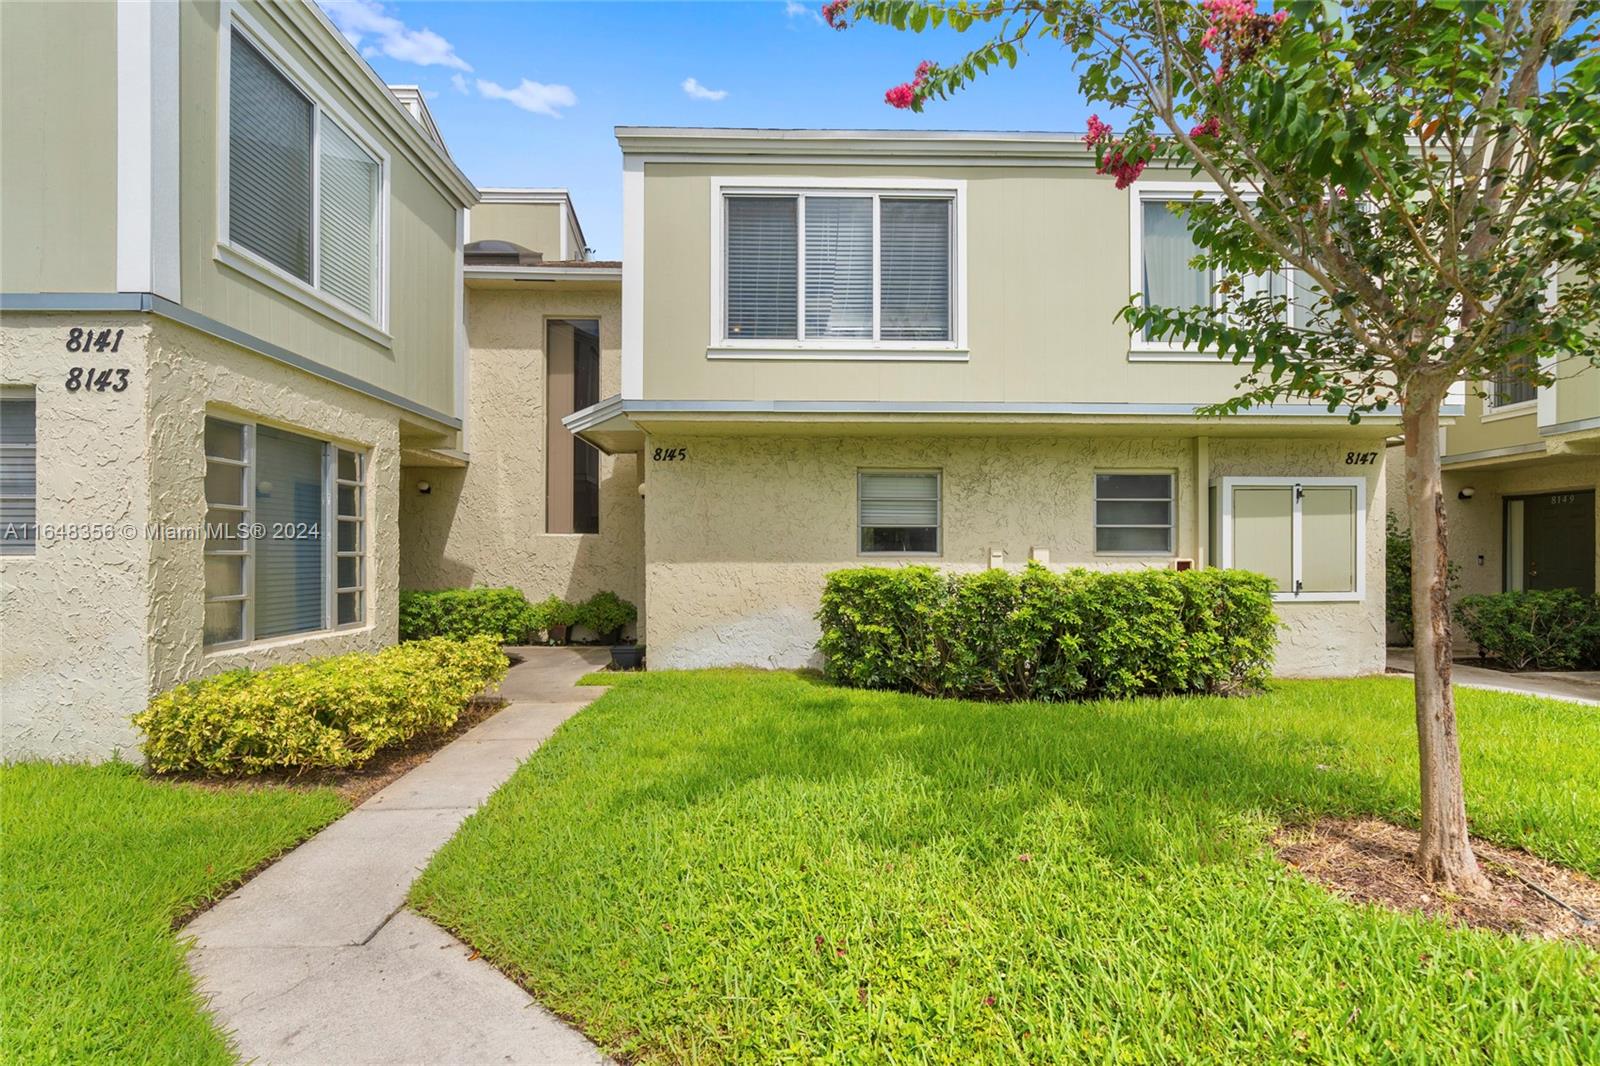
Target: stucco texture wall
[485,524]
[739,537]
[91,628]
[192,373]
[73,649]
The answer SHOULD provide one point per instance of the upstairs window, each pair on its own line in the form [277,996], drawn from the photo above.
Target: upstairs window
[1510,385]
[304,194]
[838,268]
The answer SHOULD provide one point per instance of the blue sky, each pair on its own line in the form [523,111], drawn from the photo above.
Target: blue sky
[527,93]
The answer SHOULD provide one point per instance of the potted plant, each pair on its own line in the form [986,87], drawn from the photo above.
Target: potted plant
[556,617]
[607,615]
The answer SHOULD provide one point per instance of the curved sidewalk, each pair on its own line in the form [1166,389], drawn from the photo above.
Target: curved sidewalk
[1578,686]
[316,960]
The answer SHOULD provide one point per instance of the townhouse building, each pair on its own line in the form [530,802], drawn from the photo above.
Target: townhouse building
[843,347]
[232,310]
[1522,479]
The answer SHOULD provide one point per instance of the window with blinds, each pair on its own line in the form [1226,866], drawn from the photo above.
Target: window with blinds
[898,512]
[285,547]
[19,515]
[304,196]
[839,267]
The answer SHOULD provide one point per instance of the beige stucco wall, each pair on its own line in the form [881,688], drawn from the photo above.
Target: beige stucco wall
[421,259]
[58,175]
[1476,526]
[73,649]
[739,538]
[485,525]
[90,629]
[1578,392]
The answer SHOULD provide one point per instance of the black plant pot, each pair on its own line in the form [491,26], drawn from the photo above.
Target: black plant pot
[627,656]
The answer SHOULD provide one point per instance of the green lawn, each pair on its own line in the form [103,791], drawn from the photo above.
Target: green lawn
[733,865]
[96,864]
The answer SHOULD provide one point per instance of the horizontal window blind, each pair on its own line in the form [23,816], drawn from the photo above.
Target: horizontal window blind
[269,162]
[838,266]
[348,238]
[915,269]
[898,512]
[762,267]
[18,473]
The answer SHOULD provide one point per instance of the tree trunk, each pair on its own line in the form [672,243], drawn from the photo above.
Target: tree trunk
[1444,855]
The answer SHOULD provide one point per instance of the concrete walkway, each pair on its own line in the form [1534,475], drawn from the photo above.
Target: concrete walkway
[1579,686]
[317,961]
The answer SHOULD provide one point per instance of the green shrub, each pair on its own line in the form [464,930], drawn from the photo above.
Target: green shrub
[334,712]
[1397,580]
[1557,629]
[554,611]
[995,634]
[504,614]
[606,614]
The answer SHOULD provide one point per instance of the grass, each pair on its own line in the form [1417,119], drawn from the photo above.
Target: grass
[97,863]
[754,867]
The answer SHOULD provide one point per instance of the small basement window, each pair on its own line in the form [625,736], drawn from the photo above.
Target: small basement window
[1133,513]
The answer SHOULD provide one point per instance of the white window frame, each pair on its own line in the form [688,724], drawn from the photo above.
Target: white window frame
[938,502]
[328,523]
[17,549]
[853,349]
[373,326]
[1171,549]
[1296,551]
[1141,350]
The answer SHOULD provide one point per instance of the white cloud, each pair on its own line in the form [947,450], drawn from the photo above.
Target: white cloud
[361,19]
[794,9]
[460,84]
[531,96]
[697,91]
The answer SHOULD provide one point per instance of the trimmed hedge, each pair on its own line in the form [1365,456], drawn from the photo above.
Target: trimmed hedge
[1557,629]
[335,712]
[504,614]
[1044,635]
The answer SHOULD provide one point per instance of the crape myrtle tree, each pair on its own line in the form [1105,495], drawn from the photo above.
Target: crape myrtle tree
[1398,185]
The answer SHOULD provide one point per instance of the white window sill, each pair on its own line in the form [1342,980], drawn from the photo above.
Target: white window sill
[288,640]
[1172,355]
[1318,597]
[860,354]
[257,269]
[1510,410]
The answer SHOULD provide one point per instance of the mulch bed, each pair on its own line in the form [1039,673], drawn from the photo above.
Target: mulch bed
[357,785]
[1366,860]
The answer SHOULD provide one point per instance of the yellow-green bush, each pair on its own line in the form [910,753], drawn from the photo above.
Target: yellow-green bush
[335,712]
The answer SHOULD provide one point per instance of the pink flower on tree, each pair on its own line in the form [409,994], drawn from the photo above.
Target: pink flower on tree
[1209,128]
[905,96]
[833,13]
[1236,32]
[1097,130]
[1114,157]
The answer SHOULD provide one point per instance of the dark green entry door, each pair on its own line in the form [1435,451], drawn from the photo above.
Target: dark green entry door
[1550,541]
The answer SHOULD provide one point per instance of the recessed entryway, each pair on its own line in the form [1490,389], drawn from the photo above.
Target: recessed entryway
[1549,541]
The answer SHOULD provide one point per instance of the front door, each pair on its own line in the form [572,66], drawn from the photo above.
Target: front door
[1550,541]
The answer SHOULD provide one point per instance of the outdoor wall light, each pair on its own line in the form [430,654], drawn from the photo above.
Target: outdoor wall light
[1466,493]
[424,488]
